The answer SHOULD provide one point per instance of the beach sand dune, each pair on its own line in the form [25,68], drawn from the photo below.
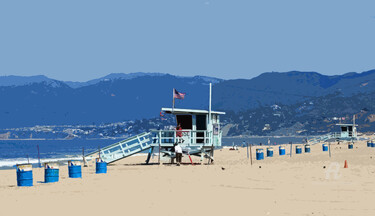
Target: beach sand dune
[305,184]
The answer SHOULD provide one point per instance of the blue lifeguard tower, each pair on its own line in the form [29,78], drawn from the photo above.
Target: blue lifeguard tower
[347,132]
[200,135]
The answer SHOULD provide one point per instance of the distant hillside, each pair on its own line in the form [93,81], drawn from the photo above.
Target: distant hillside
[288,88]
[314,116]
[112,76]
[29,101]
[113,100]
[20,80]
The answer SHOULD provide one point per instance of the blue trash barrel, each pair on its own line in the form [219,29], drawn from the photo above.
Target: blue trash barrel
[325,147]
[259,154]
[350,146]
[51,173]
[101,166]
[75,170]
[307,148]
[269,152]
[298,150]
[372,144]
[24,175]
[281,150]
[368,144]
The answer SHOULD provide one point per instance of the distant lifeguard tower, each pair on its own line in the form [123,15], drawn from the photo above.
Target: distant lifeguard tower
[199,136]
[347,132]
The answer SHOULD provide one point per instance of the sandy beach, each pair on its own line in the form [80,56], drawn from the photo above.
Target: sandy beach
[281,185]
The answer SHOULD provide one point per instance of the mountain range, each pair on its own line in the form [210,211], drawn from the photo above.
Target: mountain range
[39,100]
[288,88]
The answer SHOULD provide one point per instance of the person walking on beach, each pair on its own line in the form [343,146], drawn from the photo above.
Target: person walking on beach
[178,151]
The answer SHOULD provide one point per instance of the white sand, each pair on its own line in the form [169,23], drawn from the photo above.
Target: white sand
[283,185]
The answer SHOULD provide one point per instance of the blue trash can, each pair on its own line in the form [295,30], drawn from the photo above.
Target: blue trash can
[24,175]
[269,152]
[259,154]
[350,146]
[298,150]
[281,150]
[307,148]
[51,173]
[372,144]
[101,166]
[368,144]
[325,147]
[75,170]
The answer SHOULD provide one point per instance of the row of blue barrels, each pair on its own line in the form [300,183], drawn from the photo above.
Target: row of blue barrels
[299,149]
[51,172]
[260,154]
[371,144]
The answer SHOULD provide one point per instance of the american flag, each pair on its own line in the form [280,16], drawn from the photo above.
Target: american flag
[178,95]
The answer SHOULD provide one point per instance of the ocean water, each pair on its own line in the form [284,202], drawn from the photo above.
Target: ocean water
[14,152]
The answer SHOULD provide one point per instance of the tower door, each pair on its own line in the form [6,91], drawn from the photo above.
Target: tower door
[350,131]
[186,122]
[201,125]
[344,132]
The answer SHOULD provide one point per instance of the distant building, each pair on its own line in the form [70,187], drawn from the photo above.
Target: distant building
[266,127]
[5,136]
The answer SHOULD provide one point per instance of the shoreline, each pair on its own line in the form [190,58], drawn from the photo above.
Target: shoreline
[115,138]
[224,137]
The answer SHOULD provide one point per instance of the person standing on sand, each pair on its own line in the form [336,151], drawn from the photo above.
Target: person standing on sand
[178,151]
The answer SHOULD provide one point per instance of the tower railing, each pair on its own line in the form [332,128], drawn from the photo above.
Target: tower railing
[184,137]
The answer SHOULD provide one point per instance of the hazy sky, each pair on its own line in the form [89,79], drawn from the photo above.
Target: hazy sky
[81,40]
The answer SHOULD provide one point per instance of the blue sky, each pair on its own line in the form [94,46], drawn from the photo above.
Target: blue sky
[82,40]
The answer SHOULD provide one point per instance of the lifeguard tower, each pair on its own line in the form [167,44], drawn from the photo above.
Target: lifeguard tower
[199,136]
[347,132]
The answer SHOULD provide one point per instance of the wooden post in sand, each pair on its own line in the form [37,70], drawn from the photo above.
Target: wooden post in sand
[247,146]
[251,155]
[83,157]
[291,149]
[329,148]
[159,146]
[39,164]
[202,155]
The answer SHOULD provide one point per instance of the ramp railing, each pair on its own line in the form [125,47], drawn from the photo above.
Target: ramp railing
[324,138]
[124,148]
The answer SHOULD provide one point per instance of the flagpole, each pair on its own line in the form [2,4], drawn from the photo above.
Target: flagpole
[173,100]
[209,104]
